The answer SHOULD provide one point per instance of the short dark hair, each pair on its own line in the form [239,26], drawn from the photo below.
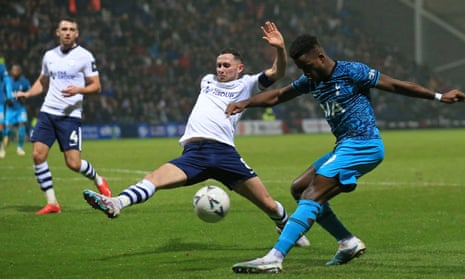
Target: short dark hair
[237,55]
[303,44]
[69,19]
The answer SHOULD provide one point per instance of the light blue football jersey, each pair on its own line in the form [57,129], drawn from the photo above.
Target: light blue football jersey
[345,99]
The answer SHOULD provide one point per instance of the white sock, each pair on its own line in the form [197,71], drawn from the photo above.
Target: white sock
[124,201]
[348,242]
[98,180]
[44,178]
[281,210]
[274,255]
[282,216]
[50,196]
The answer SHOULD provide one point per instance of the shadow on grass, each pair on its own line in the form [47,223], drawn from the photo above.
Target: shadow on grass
[177,245]
[34,208]
[22,208]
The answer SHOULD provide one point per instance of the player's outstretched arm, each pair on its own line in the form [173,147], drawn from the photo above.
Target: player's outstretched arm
[265,99]
[236,107]
[411,89]
[275,39]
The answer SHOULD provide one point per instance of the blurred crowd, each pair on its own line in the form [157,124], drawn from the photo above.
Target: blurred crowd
[152,54]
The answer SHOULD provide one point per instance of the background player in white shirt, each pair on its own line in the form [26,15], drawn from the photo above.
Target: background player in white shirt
[208,141]
[68,73]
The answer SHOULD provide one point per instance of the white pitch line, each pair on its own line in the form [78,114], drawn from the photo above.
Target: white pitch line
[125,171]
[381,183]
[64,168]
[4,177]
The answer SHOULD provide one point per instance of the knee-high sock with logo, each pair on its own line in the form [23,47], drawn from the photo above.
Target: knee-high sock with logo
[297,225]
[138,193]
[88,171]
[44,178]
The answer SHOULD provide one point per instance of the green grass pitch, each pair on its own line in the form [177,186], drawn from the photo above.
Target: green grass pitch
[409,212]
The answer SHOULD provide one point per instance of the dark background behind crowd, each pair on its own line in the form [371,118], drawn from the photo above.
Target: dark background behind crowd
[152,54]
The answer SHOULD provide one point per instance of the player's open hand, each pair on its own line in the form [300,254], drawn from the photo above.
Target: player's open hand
[453,96]
[272,35]
[21,96]
[235,108]
[69,91]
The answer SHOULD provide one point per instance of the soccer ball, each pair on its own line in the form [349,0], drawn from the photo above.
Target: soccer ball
[211,203]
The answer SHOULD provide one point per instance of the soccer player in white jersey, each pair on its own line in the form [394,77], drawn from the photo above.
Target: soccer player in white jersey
[68,73]
[208,141]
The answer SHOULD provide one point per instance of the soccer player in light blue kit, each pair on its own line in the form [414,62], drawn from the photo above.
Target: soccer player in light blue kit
[343,91]
[16,114]
[5,89]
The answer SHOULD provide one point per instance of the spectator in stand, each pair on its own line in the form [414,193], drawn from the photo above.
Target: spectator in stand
[155,30]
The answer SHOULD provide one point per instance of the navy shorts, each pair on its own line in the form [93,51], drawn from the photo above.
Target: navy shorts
[66,130]
[211,159]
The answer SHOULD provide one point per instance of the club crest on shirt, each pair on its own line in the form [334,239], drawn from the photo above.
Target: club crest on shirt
[337,87]
[372,74]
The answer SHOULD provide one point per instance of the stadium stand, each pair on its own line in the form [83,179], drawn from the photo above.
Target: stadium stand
[151,54]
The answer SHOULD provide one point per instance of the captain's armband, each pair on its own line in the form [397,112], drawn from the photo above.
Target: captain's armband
[265,81]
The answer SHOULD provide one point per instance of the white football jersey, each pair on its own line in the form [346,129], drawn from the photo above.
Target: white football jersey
[208,118]
[63,70]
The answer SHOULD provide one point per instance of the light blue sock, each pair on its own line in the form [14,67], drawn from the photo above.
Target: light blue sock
[329,221]
[21,135]
[299,223]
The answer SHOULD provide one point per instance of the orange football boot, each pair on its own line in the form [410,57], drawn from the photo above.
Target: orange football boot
[49,208]
[103,188]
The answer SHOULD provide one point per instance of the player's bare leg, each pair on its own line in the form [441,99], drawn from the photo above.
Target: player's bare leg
[74,162]
[255,191]
[350,246]
[165,177]
[318,192]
